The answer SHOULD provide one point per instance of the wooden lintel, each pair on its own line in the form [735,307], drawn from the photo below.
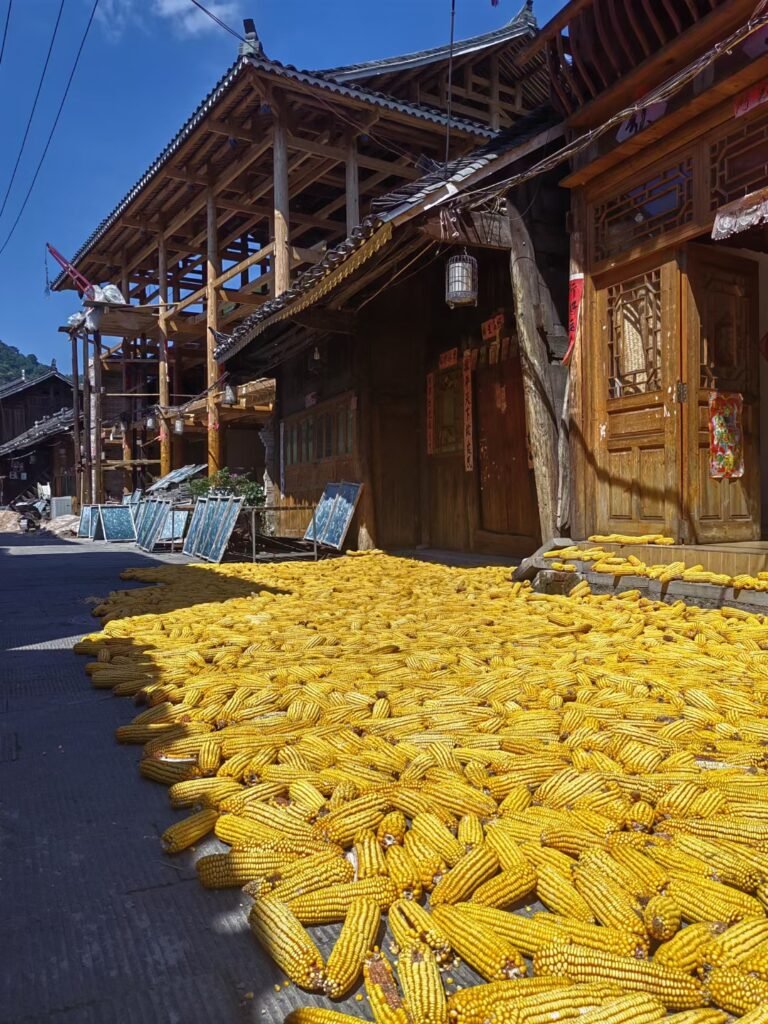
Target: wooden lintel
[470,227]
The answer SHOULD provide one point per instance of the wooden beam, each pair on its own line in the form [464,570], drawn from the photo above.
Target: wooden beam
[470,227]
[212,324]
[165,401]
[352,185]
[340,154]
[281,202]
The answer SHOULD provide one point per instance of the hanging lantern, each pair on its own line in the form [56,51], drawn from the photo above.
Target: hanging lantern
[151,421]
[178,425]
[228,396]
[461,280]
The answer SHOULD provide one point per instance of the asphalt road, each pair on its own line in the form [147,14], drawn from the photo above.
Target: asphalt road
[96,923]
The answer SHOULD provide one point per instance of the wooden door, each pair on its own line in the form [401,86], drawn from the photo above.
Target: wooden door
[721,353]
[507,488]
[631,393]
[396,472]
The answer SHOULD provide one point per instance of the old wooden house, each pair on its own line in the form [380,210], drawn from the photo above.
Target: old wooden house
[669,263]
[274,168]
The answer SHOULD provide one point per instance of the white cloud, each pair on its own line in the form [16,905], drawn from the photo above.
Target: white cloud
[182,17]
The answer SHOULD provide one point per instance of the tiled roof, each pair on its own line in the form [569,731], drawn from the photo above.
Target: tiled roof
[385,209]
[318,79]
[13,387]
[522,27]
[59,423]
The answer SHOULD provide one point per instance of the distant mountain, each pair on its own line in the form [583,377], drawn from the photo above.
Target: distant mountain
[12,363]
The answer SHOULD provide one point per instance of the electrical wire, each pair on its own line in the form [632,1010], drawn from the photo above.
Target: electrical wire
[218,21]
[475,197]
[449,86]
[53,128]
[5,29]
[34,107]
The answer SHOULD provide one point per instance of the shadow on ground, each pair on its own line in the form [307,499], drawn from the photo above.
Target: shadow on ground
[98,924]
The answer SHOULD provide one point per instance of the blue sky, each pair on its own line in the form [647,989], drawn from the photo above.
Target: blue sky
[146,65]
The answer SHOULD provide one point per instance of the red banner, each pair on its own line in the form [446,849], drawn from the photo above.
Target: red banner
[448,359]
[469,449]
[750,99]
[575,297]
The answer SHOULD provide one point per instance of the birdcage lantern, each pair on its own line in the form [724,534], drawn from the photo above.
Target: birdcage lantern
[461,280]
[178,424]
[228,397]
[151,421]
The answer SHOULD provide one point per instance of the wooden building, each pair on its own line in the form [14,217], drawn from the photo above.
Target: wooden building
[42,454]
[379,381]
[275,167]
[668,217]
[25,400]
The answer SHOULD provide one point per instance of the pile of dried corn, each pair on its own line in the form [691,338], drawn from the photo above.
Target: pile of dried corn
[376,736]
[612,564]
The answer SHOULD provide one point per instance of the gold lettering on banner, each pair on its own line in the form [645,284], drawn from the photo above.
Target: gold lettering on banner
[469,452]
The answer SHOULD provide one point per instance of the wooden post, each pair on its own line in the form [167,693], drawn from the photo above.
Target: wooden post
[127,439]
[87,438]
[162,356]
[76,422]
[98,476]
[353,185]
[212,306]
[282,277]
[540,413]
[574,414]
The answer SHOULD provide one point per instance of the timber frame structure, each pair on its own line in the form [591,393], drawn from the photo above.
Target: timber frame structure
[274,168]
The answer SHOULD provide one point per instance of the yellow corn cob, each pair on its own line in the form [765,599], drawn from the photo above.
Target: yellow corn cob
[558,894]
[209,757]
[662,917]
[166,772]
[736,991]
[704,1015]
[651,877]
[287,942]
[541,856]
[227,870]
[499,1000]
[683,950]
[470,831]
[506,888]
[320,871]
[369,854]
[403,871]
[207,792]
[571,1002]
[187,832]
[332,903]
[745,831]
[429,865]
[516,800]
[409,922]
[320,1015]
[392,828]
[755,962]
[384,999]
[468,874]
[422,984]
[355,942]
[676,990]
[343,824]
[730,867]
[611,905]
[736,943]
[640,816]
[702,900]
[492,958]
[757,1016]
[638,1008]
[438,836]
[306,795]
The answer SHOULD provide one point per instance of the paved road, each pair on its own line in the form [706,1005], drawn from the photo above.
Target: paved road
[96,924]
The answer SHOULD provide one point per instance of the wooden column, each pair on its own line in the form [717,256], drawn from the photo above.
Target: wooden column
[76,422]
[353,185]
[212,306]
[282,278]
[127,439]
[574,415]
[98,476]
[540,413]
[162,356]
[87,438]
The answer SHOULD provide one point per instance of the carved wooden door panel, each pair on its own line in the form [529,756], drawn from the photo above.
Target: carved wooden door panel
[636,415]
[720,337]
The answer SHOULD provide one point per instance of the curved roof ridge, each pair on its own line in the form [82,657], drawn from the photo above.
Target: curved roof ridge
[523,23]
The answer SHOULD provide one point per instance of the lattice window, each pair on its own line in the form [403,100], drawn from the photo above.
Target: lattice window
[739,162]
[726,329]
[663,202]
[634,336]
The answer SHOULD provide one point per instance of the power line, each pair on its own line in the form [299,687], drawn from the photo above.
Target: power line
[34,107]
[5,29]
[219,22]
[53,128]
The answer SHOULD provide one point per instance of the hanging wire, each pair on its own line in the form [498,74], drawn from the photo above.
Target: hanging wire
[449,86]
[5,29]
